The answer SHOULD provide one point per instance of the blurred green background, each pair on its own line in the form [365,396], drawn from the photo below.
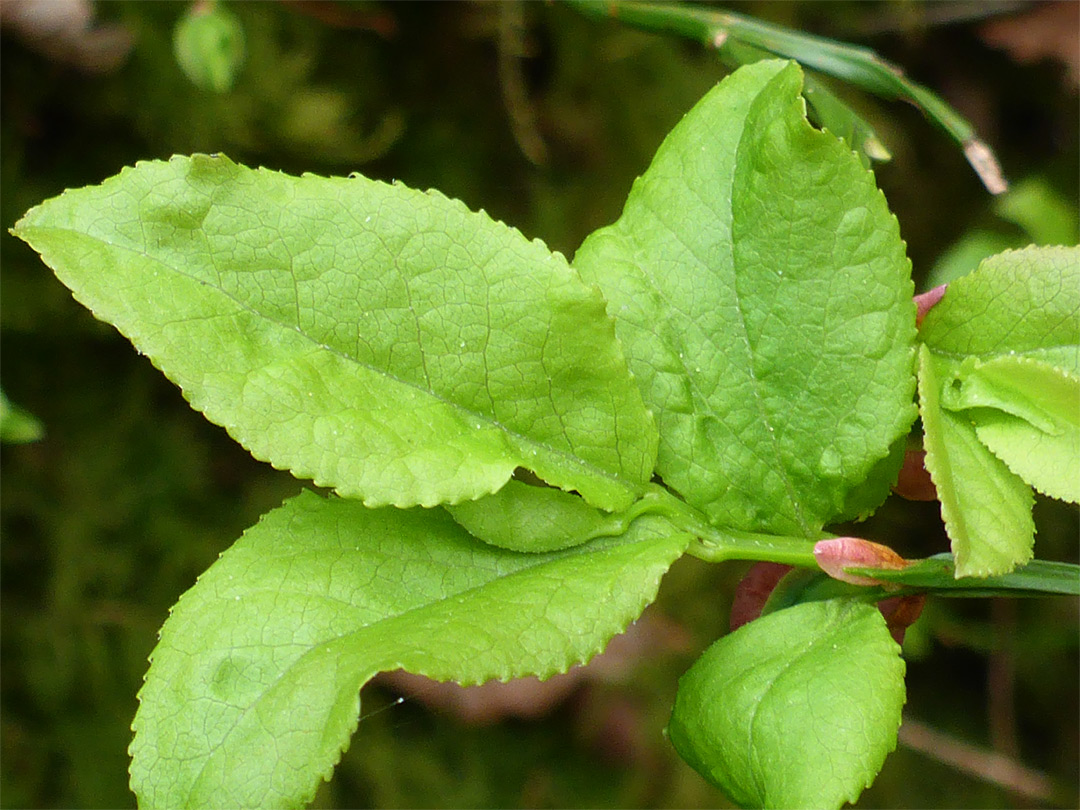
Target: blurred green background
[542,118]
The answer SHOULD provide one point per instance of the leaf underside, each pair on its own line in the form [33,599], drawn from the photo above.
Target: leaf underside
[1028,414]
[521,517]
[985,506]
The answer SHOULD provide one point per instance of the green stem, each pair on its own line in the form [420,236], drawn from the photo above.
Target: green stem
[760,547]
[935,575]
[854,64]
[716,545]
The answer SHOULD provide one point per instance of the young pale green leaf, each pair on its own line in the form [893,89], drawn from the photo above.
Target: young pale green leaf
[760,286]
[1028,414]
[1045,214]
[796,709]
[383,341]
[252,692]
[985,506]
[521,517]
[209,46]
[1000,349]
[1019,303]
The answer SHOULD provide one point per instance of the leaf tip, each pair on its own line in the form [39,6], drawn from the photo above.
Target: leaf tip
[985,163]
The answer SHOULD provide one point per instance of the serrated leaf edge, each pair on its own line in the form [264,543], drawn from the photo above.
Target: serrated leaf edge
[514,459]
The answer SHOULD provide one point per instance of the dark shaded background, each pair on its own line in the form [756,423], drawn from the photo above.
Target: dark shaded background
[131,495]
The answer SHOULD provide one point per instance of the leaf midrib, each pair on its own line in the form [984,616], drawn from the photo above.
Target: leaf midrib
[491,421]
[313,648]
[836,623]
[770,431]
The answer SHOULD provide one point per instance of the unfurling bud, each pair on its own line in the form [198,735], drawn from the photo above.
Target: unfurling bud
[833,556]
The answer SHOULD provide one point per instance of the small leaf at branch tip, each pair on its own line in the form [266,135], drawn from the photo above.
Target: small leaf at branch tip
[986,165]
[924,302]
[840,553]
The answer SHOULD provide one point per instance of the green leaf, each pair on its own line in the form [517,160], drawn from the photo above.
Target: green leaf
[734,34]
[18,426]
[831,113]
[934,575]
[795,709]
[826,110]
[1047,216]
[1028,414]
[521,517]
[985,506]
[964,255]
[997,371]
[1043,216]
[209,46]
[383,341]
[937,575]
[1020,303]
[864,498]
[252,692]
[760,287]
